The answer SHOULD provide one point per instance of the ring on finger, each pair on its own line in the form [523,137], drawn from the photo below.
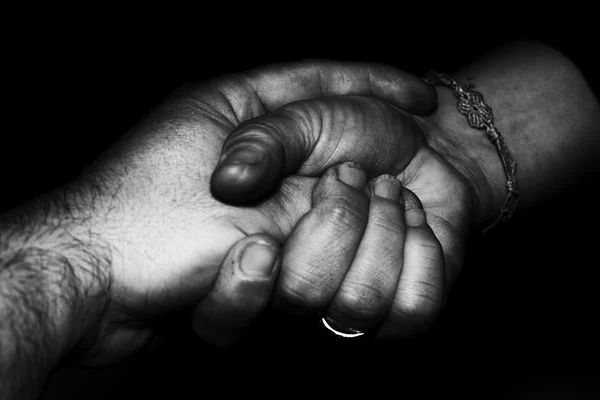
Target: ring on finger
[352,333]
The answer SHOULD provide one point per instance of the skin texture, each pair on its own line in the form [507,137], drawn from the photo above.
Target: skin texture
[549,120]
[450,167]
[90,269]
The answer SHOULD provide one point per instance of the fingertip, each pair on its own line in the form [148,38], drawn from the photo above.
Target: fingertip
[239,182]
[247,174]
[415,217]
[240,293]
[411,200]
[249,169]
[258,258]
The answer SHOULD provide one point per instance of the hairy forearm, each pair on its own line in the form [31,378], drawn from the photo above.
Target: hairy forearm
[544,109]
[47,267]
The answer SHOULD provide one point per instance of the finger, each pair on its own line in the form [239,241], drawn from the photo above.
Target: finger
[308,137]
[280,84]
[240,97]
[420,293]
[366,293]
[322,246]
[241,291]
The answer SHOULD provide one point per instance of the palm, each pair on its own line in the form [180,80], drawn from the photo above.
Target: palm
[447,201]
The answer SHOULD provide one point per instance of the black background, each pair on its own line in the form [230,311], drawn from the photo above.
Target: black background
[521,318]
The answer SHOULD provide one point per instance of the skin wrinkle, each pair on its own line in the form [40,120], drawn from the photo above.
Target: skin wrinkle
[229,92]
[338,209]
[318,127]
[286,202]
[380,275]
[297,285]
[321,86]
[343,125]
[341,217]
[171,139]
[454,151]
[268,131]
[419,290]
[328,153]
[196,109]
[300,118]
[307,289]
[362,300]
[363,109]
[387,226]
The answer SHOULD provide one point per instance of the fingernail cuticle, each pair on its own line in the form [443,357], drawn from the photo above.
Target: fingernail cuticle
[410,200]
[353,175]
[258,259]
[388,187]
[415,217]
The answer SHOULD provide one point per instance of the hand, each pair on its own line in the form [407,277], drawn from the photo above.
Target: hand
[359,282]
[159,237]
[364,257]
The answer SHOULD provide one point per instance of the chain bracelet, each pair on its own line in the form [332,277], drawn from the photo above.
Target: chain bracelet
[479,115]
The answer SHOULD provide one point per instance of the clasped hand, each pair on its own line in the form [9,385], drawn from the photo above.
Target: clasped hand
[301,184]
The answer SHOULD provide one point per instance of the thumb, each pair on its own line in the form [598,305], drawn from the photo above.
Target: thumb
[240,293]
[308,137]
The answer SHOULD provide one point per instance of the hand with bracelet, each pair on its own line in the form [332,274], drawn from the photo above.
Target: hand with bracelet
[456,173]
[465,177]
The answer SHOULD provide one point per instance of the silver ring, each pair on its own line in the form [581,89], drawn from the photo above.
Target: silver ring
[353,334]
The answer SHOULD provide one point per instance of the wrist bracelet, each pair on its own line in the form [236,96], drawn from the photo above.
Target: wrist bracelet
[479,115]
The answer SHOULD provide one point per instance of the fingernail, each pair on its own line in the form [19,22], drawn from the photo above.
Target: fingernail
[243,155]
[387,186]
[351,174]
[258,259]
[415,217]
[410,200]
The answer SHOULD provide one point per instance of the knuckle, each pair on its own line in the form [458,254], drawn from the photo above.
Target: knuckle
[302,116]
[430,252]
[362,300]
[343,213]
[387,224]
[305,290]
[419,308]
[250,301]
[427,246]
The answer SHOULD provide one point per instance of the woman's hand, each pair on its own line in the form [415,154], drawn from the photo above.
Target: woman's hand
[353,258]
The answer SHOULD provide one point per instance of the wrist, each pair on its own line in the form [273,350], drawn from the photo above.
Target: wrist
[53,277]
[545,111]
[471,153]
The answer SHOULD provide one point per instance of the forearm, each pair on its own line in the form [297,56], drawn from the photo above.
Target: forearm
[46,270]
[545,111]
